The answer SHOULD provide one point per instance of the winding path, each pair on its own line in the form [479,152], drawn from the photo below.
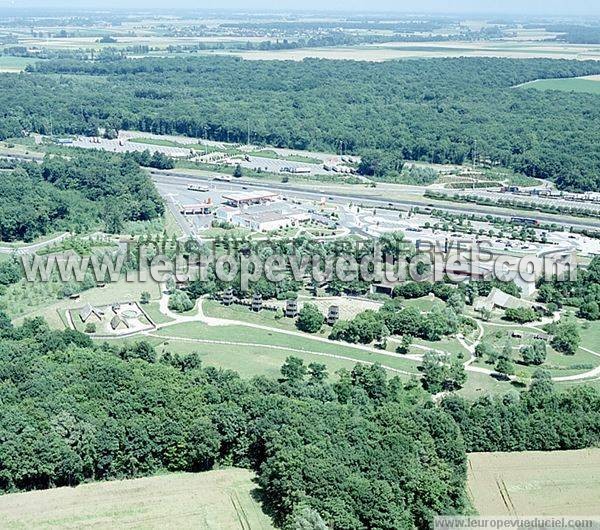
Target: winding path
[199,316]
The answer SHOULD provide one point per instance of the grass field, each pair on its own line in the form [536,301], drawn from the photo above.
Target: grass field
[214,499]
[590,334]
[571,84]
[14,64]
[236,347]
[251,361]
[535,483]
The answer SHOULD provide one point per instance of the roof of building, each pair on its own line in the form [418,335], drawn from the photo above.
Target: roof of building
[88,310]
[117,320]
[250,196]
[498,298]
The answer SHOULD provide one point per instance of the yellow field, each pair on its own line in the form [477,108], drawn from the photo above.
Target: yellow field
[535,483]
[215,499]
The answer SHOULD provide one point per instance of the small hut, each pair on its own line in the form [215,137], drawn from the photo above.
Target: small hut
[291,308]
[227,297]
[257,302]
[117,323]
[91,313]
[333,315]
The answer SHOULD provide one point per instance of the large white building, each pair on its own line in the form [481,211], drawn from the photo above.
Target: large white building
[263,217]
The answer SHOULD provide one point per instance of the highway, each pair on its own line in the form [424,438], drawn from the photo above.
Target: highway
[344,196]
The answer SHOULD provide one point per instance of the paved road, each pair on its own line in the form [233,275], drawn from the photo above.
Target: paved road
[27,249]
[342,195]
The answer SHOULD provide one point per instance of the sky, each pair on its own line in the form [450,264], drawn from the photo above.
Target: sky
[533,7]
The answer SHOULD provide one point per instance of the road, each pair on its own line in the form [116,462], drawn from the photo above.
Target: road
[342,195]
[27,249]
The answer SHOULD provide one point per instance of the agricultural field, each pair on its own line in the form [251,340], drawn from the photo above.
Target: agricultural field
[522,49]
[587,85]
[215,499]
[535,483]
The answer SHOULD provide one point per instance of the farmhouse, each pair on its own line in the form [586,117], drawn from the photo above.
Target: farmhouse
[498,298]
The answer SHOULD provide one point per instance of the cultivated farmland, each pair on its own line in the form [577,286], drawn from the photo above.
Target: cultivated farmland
[535,483]
[215,499]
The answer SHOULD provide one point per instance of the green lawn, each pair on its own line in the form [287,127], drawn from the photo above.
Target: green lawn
[153,311]
[250,361]
[424,303]
[590,335]
[450,345]
[267,153]
[15,64]
[247,339]
[479,385]
[571,84]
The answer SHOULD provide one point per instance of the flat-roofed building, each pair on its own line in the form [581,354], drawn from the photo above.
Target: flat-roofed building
[204,208]
[251,197]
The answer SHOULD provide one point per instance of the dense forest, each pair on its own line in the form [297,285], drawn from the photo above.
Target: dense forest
[83,191]
[362,450]
[441,110]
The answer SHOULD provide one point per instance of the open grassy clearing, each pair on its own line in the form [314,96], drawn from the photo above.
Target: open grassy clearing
[153,311]
[557,363]
[251,361]
[574,84]
[479,385]
[214,499]
[236,339]
[15,64]
[448,344]
[425,303]
[590,335]
[535,483]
